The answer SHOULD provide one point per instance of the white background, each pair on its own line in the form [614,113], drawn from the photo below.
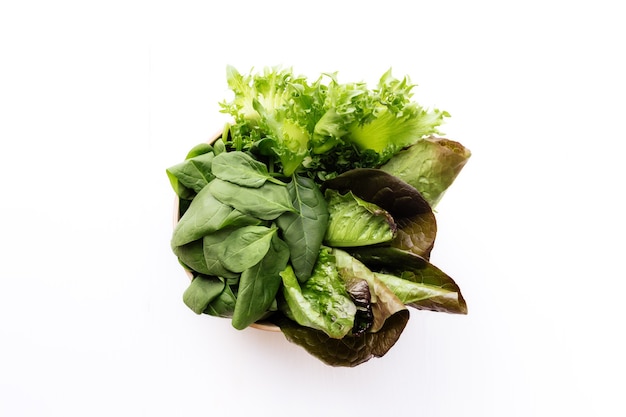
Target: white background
[98,98]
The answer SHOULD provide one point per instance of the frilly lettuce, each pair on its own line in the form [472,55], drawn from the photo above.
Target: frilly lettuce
[324,126]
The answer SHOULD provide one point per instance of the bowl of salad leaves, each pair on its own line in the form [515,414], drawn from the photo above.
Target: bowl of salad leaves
[311,212]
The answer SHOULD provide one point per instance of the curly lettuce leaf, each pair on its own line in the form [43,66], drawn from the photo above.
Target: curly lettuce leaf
[394,121]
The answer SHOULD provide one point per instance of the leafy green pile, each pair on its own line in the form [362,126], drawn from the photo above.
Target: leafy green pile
[313,211]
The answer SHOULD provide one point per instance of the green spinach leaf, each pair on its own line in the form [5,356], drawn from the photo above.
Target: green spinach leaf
[224,305]
[303,229]
[246,246]
[204,215]
[194,173]
[191,255]
[259,285]
[213,250]
[266,202]
[242,169]
[202,290]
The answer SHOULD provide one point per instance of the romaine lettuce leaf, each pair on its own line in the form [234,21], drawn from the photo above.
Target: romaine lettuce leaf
[355,222]
[415,220]
[322,302]
[431,165]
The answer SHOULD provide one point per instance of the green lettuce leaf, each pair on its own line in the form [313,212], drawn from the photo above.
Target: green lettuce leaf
[355,222]
[415,220]
[321,302]
[427,287]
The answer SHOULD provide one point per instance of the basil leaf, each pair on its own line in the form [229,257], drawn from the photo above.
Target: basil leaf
[304,228]
[241,169]
[246,246]
[259,285]
[202,290]
[266,202]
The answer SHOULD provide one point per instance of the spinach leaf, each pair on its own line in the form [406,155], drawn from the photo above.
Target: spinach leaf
[191,255]
[224,305]
[202,290]
[213,250]
[246,246]
[199,149]
[204,215]
[322,302]
[445,294]
[242,169]
[259,285]
[194,173]
[266,202]
[355,222]
[303,229]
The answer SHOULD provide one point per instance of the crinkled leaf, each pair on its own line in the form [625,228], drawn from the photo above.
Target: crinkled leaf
[351,350]
[431,165]
[417,226]
[355,222]
[384,302]
[359,291]
[259,284]
[445,294]
[201,291]
[303,229]
[321,302]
